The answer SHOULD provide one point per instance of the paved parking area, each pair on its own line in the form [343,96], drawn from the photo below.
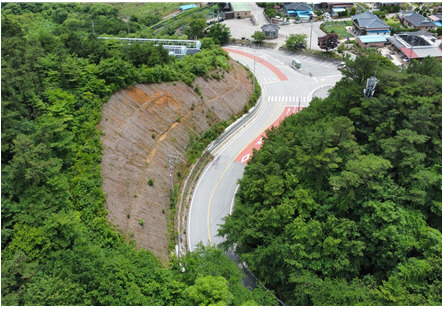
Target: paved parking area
[240,28]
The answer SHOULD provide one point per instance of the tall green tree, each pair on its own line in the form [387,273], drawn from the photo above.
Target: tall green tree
[296,41]
[220,33]
[195,29]
[258,37]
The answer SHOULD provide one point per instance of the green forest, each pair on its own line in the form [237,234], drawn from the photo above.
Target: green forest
[342,204]
[57,246]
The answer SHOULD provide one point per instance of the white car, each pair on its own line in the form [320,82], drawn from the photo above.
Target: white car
[341,66]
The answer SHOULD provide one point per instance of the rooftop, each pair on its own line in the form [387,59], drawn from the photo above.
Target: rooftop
[270,27]
[240,7]
[296,6]
[187,7]
[369,20]
[419,20]
[415,46]
[372,38]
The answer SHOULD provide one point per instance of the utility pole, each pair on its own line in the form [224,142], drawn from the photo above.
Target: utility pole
[311,33]
[128,30]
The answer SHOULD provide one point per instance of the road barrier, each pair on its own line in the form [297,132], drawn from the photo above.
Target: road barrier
[190,181]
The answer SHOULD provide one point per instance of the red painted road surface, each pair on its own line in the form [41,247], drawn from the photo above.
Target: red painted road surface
[270,66]
[247,153]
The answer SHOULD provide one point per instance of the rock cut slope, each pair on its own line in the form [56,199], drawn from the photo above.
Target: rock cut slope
[140,125]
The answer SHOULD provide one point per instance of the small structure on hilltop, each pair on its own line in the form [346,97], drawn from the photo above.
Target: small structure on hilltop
[187,7]
[270,31]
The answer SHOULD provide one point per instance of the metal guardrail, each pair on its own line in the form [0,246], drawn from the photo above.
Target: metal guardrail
[234,126]
[200,164]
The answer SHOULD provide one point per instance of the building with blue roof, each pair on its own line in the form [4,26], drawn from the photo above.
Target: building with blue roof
[371,40]
[369,24]
[187,7]
[297,9]
[436,19]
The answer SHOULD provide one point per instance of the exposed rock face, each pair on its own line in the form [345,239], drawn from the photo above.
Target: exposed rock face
[143,123]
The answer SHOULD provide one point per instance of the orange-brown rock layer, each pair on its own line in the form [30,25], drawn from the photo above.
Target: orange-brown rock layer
[143,123]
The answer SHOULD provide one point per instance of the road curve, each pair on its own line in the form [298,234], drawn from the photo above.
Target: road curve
[283,91]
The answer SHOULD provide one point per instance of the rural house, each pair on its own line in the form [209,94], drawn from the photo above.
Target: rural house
[417,21]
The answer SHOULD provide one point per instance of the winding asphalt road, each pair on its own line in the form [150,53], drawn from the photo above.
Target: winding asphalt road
[284,89]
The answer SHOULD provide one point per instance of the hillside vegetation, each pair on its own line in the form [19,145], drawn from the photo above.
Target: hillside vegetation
[342,204]
[57,247]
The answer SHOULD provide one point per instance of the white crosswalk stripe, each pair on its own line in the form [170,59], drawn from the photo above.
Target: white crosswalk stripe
[290,99]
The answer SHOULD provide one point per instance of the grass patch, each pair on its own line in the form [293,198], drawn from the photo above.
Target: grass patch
[393,22]
[171,24]
[140,9]
[337,27]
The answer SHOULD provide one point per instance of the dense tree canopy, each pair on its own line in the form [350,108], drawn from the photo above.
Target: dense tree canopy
[220,33]
[57,247]
[342,204]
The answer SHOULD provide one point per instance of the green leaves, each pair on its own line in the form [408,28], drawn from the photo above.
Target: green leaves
[363,170]
[258,37]
[341,205]
[296,41]
[220,33]
[195,29]
[57,246]
[208,291]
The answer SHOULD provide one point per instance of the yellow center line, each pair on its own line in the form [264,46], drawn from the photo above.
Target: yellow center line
[219,180]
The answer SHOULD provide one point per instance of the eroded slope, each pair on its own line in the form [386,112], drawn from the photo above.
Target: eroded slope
[140,126]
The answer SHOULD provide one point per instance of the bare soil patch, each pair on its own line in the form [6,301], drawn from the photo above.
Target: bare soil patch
[143,123]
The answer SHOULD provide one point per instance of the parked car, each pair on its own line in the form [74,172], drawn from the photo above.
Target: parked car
[341,66]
